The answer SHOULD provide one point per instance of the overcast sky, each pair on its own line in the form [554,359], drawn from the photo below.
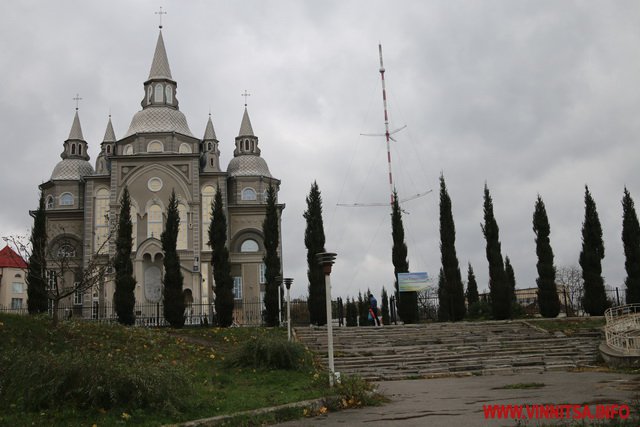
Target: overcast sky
[531,97]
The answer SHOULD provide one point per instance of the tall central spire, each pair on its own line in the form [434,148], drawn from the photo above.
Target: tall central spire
[160,65]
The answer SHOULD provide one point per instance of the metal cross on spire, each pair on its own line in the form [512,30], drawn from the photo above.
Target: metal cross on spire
[245,94]
[77,99]
[160,13]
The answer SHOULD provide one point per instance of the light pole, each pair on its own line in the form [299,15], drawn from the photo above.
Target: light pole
[287,282]
[279,282]
[326,260]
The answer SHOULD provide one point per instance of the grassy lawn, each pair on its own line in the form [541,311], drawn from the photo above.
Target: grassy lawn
[185,371]
[570,325]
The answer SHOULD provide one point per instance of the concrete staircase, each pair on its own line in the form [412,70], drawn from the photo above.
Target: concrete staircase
[445,349]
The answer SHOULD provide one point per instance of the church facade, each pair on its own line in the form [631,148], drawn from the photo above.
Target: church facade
[156,155]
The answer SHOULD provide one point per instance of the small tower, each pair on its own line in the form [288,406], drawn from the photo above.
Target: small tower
[103,162]
[210,156]
[75,147]
[160,88]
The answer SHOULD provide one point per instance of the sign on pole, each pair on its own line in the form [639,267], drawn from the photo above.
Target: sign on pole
[412,282]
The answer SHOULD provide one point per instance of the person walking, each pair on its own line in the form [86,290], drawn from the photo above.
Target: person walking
[373,310]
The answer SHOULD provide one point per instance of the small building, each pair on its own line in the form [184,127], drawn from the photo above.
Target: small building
[13,287]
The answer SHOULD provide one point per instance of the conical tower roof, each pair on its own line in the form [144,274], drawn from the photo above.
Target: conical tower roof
[76,129]
[209,132]
[245,126]
[160,65]
[109,134]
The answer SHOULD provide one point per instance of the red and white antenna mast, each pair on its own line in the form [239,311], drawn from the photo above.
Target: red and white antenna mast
[387,135]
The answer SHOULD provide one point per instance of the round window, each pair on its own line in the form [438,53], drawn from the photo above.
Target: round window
[155,184]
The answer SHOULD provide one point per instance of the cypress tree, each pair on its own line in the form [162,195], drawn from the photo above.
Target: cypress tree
[37,299]
[352,312]
[631,242]
[407,301]
[444,306]
[594,299]
[450,265]
[124,298]
[498,287]
[386,318]
[548,300]
[363,310]
[173,279]
[220,262]
[472,287]
[314,241]
[271,232]
[511,279]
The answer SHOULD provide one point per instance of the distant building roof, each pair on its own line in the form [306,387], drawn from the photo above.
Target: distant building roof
[9,258]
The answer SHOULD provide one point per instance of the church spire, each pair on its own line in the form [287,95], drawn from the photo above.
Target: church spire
[209,132]
[76,129]
[109,134]
[160,65]
[75,147]
[245,126]
[246,141]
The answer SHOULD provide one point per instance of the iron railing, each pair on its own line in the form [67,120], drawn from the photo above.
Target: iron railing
[622,328]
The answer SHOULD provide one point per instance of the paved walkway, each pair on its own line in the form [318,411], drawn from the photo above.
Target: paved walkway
[447,402]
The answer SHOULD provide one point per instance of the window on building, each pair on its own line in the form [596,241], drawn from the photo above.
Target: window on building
[66,199]
[78,295]
[237,287]
[73,148]
[16,303]
[49,202]
[185,148]
[210,146]
[155,147]
[248,194]
[154,221]
[17,287]
[149,93]
[183,228]
[208,193]
[263,273]
[108,149]
[157,95]
[101,220]
[249,245]
[169,94]
[134,227]
[128,150]
[80,149]
[52,279]
[66,251]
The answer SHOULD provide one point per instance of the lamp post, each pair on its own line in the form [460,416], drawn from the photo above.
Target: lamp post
[287,282]
[326,260]
[279,280]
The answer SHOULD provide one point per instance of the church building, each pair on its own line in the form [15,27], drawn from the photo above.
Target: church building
[156,155]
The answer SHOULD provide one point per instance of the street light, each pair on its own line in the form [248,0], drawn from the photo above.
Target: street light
[326,260]
[287,282]
[279,282]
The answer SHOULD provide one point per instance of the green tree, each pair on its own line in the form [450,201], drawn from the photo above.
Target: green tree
[386,318]
[548,300]
[352,312]
[37,300]
[124,298]
[511,279]
[271,232]
[363,309]
[220,262]
[450,265]
[444,306]
[472,287]
[173,279]
[314,242]
[498,287]
[407,301]
[631,242]
[594,299]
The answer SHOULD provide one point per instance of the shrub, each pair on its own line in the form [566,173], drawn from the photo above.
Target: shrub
[36,381]
[355,392]
[479,310]
[271,353]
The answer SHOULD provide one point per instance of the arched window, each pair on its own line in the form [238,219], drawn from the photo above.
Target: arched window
[80,149]
[149,92]
[211,161]
[154,221]
[66,251]
[246,145]
[248,194]
[184,225]
[155,147]
[128,150]
[101,220]
[157,96]
[49,202]
[249,245]
[108,149]
[73,148]
[208,193]
[168,94]
[185,148]
[66,199]
[210,146]
[134,227]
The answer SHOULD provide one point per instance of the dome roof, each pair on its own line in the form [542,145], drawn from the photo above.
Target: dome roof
[72,169]
[159,119]
[248,165]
